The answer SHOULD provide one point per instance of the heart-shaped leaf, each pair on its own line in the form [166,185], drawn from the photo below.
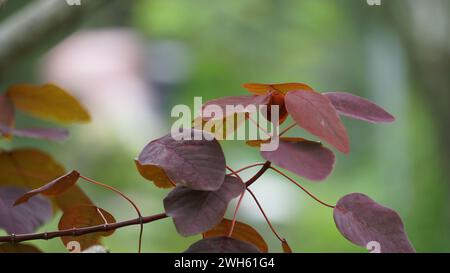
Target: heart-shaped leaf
[48,102]
[358,108]
[197,164]
[85,216]
[308,159]
[262,88]
[18,248]
[221,245]
[362,221]
[315,113]
[7,116]
[244,101]
[194,212]
[241,231]
[31,169]
[22,219]
[54,188]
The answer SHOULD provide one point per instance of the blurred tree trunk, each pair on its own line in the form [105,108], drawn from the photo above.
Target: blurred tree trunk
[423,26]
[41,24]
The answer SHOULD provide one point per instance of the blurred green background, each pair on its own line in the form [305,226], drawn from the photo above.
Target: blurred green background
[131,61]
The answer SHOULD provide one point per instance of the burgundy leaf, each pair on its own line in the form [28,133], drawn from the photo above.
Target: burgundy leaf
[197,164]
[358,108]
[42,133]
[222,245]
[305,158]
[362,221]
[25,218]
[237,100]
[6,115]
[194,212]
[315,113]
[54,188]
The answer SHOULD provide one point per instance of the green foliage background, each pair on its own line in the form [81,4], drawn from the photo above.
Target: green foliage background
[332,46]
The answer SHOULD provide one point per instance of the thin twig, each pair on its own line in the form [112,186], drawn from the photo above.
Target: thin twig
[265,217]
[250,166]
[16,238]
[233,222]
[235,173]
[301,187]
[263,169]
[126,198]
[288,128]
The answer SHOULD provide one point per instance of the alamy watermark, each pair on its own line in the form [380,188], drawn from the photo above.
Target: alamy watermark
[227,122]
[73,2]
[373,2]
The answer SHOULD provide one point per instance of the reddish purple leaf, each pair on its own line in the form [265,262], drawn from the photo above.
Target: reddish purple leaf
[362,221]
[305,158]
[6,115]
[315,113]
[237,100]
[54,188]
[25,218]
[222,245]
[358,108]
[194,212]
[196,164]
[42,133]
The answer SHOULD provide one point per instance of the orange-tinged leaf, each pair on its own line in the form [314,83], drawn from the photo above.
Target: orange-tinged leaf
[6,111]
[54,188]
[74,196]
[220,128]
[7,116]
[85,216]
[286,247]
[155,174]
[241,231]
[257,88]
[18,248]
[48,102]
[31,169]
[262,88]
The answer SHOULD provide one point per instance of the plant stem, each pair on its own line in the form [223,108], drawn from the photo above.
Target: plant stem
[288,128]
[301,187]
[263,169]
[233,222]
[126,198]
[235,173]
[80,231]
[265,217]
[249,166]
